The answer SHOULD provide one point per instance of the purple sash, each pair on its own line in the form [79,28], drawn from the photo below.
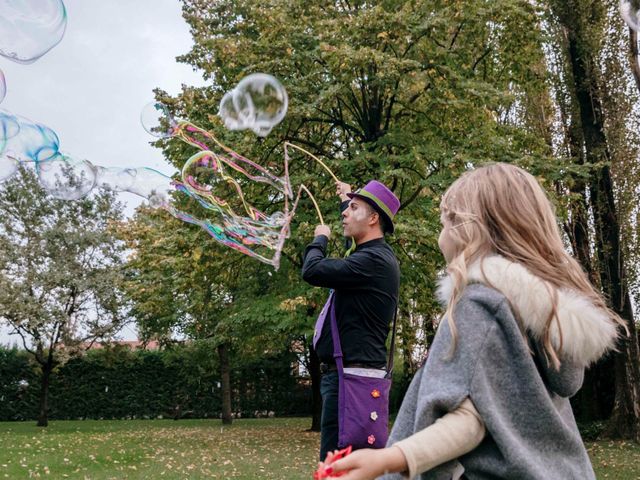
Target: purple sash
[321,318]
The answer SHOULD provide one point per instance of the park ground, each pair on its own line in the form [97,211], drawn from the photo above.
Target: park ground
[195,449]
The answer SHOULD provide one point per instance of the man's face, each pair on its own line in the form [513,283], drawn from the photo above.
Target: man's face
[357,219]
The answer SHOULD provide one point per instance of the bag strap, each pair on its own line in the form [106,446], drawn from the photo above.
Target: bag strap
[392,347]
[335,335]
[337,348]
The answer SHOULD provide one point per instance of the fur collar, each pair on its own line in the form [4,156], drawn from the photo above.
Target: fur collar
[587,332]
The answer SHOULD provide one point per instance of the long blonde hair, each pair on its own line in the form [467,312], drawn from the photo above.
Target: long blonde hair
[502,209]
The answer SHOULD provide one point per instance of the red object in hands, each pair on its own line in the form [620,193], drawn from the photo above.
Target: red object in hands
[321,473]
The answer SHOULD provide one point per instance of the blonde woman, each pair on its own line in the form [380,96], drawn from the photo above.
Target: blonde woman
[522,323]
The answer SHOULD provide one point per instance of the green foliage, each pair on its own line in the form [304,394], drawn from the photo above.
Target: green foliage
[18,385]
[590,431]
[181,381]
[60,274]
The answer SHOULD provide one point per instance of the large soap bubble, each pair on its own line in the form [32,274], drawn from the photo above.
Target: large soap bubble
[259,102]
[30,28]
[630,10]
[66,178]
[62,176]
[157,120]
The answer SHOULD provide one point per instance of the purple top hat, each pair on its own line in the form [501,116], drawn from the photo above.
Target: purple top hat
[381,199]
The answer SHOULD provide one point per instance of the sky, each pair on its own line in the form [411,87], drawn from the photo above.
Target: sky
[91,87]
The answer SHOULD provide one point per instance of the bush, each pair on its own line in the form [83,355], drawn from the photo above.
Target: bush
[183,381]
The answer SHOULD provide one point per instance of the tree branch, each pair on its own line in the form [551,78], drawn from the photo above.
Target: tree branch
[484,54]
[413,196]
[633,56]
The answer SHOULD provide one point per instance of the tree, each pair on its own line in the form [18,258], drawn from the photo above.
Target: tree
[60,272]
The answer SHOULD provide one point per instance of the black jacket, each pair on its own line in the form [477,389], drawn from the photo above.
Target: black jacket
[366,285]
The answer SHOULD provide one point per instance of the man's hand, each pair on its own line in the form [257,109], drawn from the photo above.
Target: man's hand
[342,189]
[322,230]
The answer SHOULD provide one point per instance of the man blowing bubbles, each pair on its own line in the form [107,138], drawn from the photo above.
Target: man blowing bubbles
[365,288]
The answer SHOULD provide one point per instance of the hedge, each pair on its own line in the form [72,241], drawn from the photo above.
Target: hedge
[117,383]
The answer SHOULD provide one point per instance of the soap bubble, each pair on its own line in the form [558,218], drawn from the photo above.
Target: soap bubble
[9,126]
[630,10]
[227,111]
[159,199]
[277,219]
[116,179]
[30,28]
[66,178]
[152,185]
[157,120]
[259,102]
[33,142]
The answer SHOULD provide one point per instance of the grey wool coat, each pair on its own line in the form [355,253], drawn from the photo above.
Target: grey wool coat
[499,364]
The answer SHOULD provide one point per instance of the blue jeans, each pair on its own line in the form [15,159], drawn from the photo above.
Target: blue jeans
[329,420]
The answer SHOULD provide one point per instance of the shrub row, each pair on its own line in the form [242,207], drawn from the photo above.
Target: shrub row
[181,382]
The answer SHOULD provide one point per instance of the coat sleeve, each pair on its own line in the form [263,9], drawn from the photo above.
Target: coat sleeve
[337,273]
[450,437]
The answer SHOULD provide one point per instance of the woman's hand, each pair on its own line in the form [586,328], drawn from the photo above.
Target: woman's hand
[366,464]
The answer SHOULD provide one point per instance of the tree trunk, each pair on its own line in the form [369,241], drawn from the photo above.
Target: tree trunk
[625,420]
[316,398]
[43,415]
[633,56]
[226,383]
[591,402]
[595,399]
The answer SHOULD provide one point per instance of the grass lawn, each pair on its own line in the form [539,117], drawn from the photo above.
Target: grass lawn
[165,449]
[615,460]
[159,449]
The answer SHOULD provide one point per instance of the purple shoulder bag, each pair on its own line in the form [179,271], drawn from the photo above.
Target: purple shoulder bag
[363,402]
